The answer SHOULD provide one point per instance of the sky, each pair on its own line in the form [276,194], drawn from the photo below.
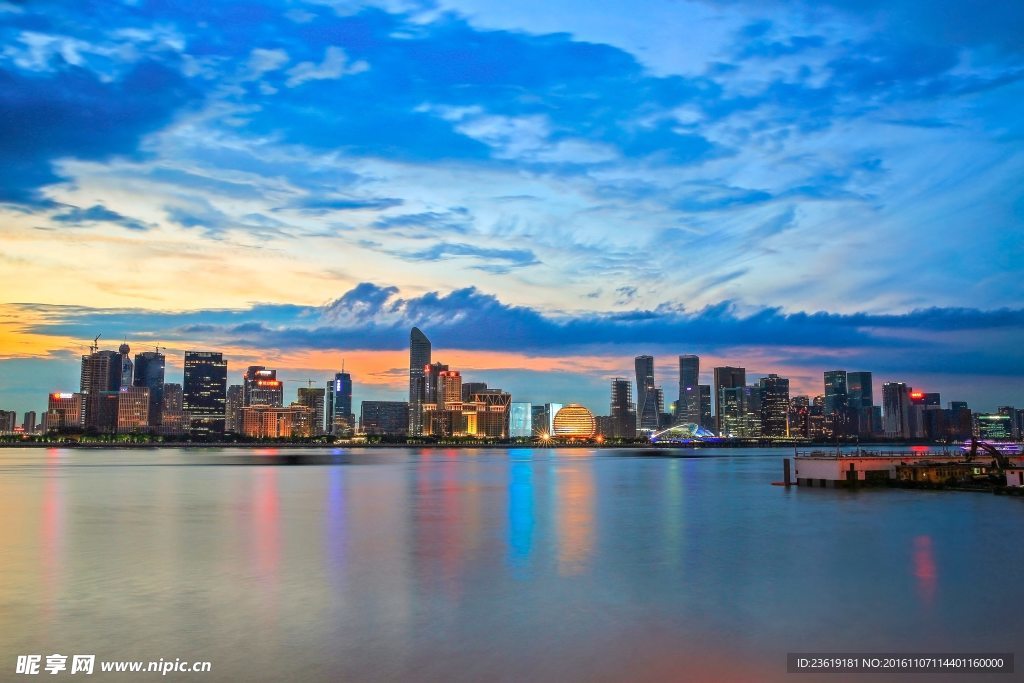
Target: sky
[547,189]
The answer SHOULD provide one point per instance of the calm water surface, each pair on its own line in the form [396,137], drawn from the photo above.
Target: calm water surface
[474,565]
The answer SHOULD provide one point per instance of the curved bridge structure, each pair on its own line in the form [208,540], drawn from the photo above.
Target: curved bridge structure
[685,433]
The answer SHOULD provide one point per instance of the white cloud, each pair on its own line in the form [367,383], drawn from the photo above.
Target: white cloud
[264,61]
[335,65]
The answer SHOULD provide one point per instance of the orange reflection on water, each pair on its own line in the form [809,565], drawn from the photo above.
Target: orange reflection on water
[574,512]
[52,534]
[266,534]
[924,568]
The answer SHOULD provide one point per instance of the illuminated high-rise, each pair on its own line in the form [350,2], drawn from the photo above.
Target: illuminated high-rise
[126,366]
[101,372]
[384,418]
[520,421]
[896,409]
[836,393]
[173,398]
[64,411]
[149,372]
[132,409]
[860,398]
[648,410]
[543,418]
[173,418]
[688,407]
[450,387]
[799,416]
[261,387]
[204,392]
[419,358]
[341,421]
[493,413]
[443,405]
[431,383]
[774,401]
[233,409]
[726,378]
[622,412]
[470,388]
[314,398]
[707,421]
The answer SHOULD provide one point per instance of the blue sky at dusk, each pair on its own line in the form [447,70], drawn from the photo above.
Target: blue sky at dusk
[545,188]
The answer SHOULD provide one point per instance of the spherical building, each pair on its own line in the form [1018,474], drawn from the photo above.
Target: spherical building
[574,422]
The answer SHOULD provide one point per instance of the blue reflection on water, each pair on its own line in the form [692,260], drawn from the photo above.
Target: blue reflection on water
[520,507]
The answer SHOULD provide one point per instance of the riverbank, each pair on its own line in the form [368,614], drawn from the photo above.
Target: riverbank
[127,445]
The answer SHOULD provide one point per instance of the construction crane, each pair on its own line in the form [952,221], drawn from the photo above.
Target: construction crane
[95,344]
[309,381]
[1000,460]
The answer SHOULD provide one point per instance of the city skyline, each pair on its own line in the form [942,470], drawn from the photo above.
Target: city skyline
[790,187]
[838,391]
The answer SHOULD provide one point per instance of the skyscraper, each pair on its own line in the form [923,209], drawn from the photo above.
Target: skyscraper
[173,398]
[492,413]
[538,419]
[520,421]
[622,412]
[233,409]
[419,358]
[384,418]
[450,387]
[149,372]
[726,378]
[799,416]
[126,366]
[647,408]
[340,420]
[204,392]
[443,413]
[706,420]
[432,383]
[314,398]
[896,409]
[132,409]
[101,372]
[64,411]
[730,417]
[261,387]
[543,418]
[860,398]
[688,407]
[774,406]
[470,388]
[836,394]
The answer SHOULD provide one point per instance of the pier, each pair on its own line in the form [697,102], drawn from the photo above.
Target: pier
[858,469]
